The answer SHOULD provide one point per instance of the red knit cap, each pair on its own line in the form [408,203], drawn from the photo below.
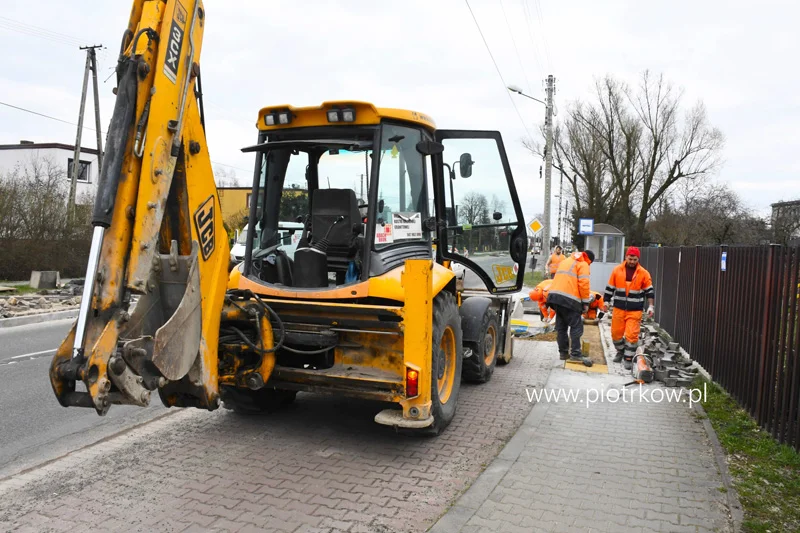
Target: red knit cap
[634,251]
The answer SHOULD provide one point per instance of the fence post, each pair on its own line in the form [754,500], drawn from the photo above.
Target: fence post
[694,295]
[764,332]
[722,249]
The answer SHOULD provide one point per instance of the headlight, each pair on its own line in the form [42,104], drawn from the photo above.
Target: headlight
[278,118]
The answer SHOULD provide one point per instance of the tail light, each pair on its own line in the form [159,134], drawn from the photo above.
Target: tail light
[412,383]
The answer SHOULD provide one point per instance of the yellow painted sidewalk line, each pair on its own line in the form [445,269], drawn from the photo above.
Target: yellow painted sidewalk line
[580,367]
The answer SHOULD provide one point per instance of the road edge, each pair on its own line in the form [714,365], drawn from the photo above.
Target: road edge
[38,318]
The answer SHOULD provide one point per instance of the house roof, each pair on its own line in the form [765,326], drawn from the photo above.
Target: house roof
[43,146]
[606,229]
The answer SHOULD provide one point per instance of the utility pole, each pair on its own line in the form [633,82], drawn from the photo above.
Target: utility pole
[548,164]
[91,65]
[560,198]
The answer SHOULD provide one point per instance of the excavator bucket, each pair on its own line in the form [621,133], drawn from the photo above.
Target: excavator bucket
[174,301]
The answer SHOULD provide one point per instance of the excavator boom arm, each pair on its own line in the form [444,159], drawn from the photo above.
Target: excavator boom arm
[158,234]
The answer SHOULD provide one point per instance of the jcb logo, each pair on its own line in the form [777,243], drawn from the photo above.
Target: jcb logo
[174,43]
[204,223]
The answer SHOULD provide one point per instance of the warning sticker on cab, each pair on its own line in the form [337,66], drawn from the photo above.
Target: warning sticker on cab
[503,274]
[383,234]
[407,225]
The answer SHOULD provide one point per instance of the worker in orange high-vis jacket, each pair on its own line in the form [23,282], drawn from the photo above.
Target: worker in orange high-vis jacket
[628,288]
[596,307]
[554,261]
[539,295]
[569,295]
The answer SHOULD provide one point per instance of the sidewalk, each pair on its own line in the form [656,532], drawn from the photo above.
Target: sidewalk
[617,467]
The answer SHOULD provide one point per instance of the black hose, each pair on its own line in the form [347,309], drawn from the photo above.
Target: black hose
[278,345]
[116,141]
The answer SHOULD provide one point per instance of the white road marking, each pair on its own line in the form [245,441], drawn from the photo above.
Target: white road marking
[33,354]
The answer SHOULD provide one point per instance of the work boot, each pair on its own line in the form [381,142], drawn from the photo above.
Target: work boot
[618,357]
[580,359]
[563,356]
[627,364]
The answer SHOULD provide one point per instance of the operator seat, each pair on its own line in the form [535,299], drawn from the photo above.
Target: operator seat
[327,205]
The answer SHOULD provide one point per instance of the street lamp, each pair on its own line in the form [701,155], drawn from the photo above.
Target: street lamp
[515,89]
[548,157]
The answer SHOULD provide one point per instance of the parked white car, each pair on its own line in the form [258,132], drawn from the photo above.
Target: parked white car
[290,233]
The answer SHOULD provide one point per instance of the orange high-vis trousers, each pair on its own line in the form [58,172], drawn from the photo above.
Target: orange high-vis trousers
[625,331]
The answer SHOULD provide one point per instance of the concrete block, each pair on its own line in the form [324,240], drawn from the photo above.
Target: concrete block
[45,279]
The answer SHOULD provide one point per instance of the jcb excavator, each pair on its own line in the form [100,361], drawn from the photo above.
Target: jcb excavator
[367,305]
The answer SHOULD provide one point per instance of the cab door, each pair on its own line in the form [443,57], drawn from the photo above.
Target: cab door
[478,203]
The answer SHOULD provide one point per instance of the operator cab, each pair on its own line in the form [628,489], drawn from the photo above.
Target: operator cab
[360,181]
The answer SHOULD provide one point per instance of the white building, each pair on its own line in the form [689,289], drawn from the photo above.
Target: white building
[13,155]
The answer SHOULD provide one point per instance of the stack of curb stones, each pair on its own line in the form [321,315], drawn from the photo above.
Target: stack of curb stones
[665,358]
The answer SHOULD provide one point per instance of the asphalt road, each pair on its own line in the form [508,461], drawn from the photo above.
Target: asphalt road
[34,428]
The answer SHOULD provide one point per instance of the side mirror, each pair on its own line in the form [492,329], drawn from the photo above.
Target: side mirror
[430,147]
[380,206]
[497,215]
[465,165]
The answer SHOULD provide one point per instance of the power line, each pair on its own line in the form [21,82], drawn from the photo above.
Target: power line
[526,12]
[37,31]
[544,36]
[510,32]
[44,33]
[91,129]
[43,115]
[503,81]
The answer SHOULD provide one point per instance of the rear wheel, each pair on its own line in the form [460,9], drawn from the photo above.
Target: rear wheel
[447,358]
[251,402]
[479,366]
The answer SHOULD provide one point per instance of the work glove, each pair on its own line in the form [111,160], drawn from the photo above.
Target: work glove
[585,308]
[650,312]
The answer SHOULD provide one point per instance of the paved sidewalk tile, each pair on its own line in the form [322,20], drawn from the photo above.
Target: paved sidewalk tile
[620,464]
[321,465]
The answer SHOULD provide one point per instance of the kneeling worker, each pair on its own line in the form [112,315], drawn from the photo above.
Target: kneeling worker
[628,287]
[539,295]
[569,296]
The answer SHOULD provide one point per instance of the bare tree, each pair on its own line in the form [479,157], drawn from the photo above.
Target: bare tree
[226,177]
[33,202]
[670,149]
[714,214]
[474,209]
[624,151]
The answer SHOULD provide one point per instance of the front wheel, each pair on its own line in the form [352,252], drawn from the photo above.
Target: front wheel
[447,360]
[479,366]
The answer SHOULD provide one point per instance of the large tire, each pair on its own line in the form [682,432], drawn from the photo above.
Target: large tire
[479,367]
[253,402]
[447,358]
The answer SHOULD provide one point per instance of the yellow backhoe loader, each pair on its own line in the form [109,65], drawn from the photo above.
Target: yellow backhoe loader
[374,301]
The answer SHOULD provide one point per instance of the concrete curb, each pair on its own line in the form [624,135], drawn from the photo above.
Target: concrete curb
[469,502]
[37,319]
[734,506]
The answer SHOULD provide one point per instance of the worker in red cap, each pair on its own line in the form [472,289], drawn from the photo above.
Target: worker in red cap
[628,288]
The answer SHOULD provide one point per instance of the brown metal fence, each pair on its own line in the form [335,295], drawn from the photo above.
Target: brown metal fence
[740,319]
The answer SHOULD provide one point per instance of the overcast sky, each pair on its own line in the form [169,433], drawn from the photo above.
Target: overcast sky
[739,57]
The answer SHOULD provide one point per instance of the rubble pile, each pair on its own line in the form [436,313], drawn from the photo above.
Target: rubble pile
[664,357]
[66,297]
